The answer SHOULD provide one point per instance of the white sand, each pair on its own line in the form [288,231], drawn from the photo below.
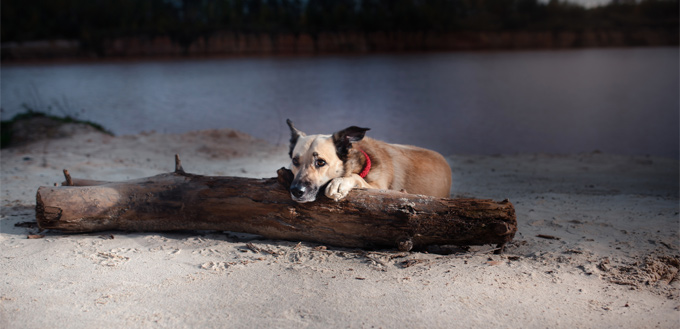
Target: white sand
[615,264]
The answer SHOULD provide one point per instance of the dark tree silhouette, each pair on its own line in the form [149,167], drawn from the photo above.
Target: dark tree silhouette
[91,22]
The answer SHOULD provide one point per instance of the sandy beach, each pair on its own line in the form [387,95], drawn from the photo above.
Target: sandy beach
[608,256]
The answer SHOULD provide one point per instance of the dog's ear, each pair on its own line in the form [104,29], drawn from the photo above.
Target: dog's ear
[343,139]
[294,135]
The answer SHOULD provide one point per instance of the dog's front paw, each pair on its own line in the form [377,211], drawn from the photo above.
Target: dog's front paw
[339,187]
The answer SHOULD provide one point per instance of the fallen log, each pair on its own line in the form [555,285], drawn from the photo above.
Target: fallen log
[182,201]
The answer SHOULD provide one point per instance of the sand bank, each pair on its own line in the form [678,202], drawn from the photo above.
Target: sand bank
[613,261]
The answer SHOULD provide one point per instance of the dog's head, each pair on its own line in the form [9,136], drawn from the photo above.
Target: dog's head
[317,159]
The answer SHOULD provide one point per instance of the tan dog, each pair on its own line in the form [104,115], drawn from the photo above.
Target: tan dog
[346,160]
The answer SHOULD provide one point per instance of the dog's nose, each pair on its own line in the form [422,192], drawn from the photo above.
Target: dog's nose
[297,190]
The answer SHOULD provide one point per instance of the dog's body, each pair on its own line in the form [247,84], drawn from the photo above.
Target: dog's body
[341,159]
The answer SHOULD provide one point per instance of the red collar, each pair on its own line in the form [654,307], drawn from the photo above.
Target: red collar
[367,168]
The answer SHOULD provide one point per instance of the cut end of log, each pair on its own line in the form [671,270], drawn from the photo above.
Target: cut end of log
[45,214]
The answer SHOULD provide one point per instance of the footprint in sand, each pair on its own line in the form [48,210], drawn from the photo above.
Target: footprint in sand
[113,257]
[108,259]
[215,266]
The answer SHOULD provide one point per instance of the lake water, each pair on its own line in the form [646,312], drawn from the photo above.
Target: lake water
[622,101]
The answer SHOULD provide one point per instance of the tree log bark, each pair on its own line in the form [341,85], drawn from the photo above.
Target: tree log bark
[364,219]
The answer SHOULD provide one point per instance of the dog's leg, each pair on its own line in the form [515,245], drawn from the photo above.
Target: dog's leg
[339,187]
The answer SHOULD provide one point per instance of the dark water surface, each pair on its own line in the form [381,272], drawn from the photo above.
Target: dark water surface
[622,101]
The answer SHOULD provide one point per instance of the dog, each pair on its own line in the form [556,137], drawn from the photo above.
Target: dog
[347,159]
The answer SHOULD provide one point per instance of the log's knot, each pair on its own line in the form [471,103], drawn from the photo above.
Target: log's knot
[502,229]
[292,213]
[405,243]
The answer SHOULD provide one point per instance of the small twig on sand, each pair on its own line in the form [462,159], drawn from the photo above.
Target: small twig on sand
[546,236]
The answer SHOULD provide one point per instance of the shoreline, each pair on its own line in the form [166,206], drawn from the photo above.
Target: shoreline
[239,45]
[219,57]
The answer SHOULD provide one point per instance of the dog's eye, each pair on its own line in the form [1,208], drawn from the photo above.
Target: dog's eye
[296,162]
[320,163]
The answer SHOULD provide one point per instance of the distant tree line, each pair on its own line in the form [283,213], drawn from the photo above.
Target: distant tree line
[91,21]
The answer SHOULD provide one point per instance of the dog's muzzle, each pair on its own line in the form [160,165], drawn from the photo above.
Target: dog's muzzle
[303,192]
[298,191]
